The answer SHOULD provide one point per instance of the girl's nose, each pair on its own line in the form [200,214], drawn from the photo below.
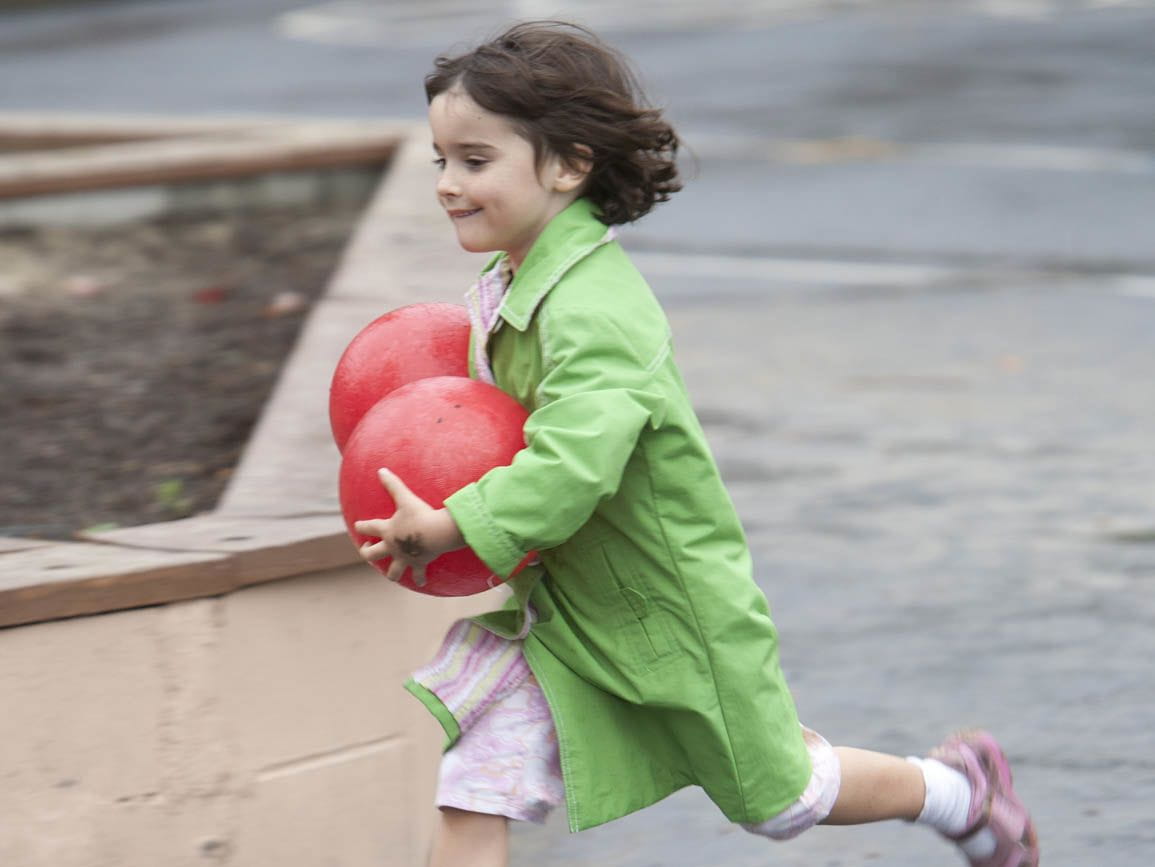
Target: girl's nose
[447,186]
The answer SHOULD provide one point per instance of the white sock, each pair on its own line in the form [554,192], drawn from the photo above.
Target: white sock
[948,804]
[948,797]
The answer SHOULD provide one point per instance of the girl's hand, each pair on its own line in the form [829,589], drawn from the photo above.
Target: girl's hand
[415,535]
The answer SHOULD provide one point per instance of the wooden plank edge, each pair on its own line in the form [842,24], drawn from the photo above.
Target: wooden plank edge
[66,127]
[186,578]
[191,575]
[79,178]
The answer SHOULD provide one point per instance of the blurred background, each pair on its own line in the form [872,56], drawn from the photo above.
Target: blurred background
[912,280]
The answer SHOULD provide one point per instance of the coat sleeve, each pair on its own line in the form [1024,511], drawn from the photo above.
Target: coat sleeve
[596,396]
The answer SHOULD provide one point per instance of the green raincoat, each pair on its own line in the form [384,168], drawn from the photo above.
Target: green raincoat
[653,645]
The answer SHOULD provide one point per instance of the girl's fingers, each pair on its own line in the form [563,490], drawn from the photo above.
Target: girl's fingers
[397,489]
[371,551]
[395,571]
[380,528]
[419,575]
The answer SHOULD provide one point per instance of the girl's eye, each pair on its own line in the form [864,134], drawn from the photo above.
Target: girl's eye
[439,162]
[475,163]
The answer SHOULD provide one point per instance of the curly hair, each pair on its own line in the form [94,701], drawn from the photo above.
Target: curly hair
[569,94]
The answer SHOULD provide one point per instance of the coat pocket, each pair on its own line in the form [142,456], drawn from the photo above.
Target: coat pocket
[644,624]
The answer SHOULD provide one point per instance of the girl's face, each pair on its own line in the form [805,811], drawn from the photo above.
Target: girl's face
[489,182]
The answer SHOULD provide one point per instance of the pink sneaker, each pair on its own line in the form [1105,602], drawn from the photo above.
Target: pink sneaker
[994,804]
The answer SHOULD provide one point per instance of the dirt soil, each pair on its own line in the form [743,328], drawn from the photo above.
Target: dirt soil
[135,359]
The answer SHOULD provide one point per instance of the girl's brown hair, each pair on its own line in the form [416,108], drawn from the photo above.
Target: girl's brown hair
[565,90]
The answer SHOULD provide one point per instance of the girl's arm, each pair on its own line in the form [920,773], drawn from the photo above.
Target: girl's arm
[596,398]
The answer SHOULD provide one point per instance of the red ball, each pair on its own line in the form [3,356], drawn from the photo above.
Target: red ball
[404,345]
[437,435]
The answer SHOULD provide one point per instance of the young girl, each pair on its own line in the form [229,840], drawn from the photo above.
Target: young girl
[638,656]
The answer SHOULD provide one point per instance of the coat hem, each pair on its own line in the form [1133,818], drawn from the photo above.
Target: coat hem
[774,810]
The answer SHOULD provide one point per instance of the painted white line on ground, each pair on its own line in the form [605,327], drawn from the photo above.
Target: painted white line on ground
[1026,9]
[1135,287]
[1044,157]
[1023,156]
[372,22]
[847,274]
[763,269]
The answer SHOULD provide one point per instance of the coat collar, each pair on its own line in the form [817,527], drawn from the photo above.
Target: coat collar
[566,240]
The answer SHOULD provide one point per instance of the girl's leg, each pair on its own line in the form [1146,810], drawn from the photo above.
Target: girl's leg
[505,766]
[963,790]
[876,787]
[466,839]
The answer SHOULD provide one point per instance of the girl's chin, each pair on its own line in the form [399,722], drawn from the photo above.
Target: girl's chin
[474,245]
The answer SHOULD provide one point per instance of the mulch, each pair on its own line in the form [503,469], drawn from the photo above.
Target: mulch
[135,359]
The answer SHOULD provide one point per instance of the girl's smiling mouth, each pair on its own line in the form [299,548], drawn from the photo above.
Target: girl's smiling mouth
[458,214]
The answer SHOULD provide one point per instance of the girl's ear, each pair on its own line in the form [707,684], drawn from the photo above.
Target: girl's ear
[572,173]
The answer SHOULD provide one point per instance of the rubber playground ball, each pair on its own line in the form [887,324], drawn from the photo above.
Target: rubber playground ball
[404,345]
[437,435]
